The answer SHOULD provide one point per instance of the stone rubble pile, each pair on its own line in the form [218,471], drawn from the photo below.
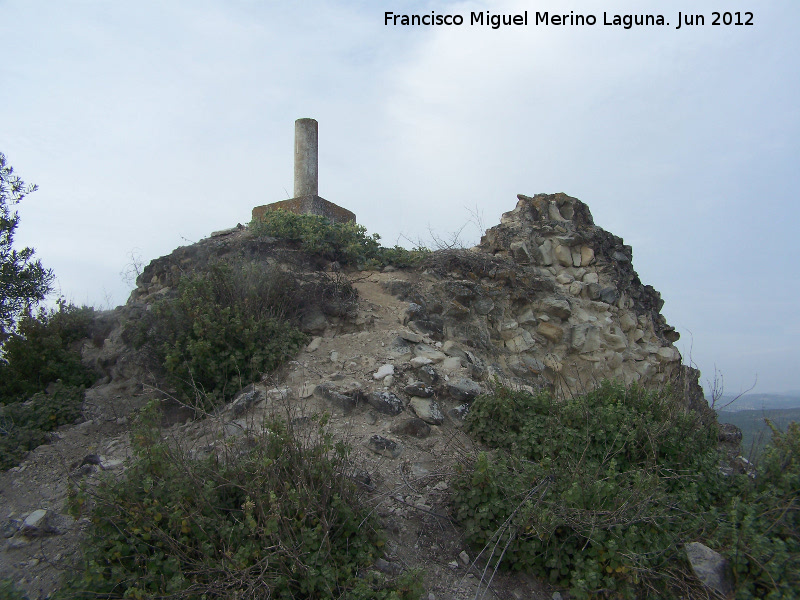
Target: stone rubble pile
[555,301]
[547,300]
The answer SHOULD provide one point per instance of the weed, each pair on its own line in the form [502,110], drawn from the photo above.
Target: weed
[42,355]
[278,517]
[9,591]
[346,243]
[25,425]
[599,493]
[43,351]
[224,329]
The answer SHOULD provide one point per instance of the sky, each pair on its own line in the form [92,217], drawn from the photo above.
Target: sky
[147,125]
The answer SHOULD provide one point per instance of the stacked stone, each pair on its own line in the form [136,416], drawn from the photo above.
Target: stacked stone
[563,305]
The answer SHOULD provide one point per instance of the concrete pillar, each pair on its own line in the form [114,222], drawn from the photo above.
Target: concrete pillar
[306,160]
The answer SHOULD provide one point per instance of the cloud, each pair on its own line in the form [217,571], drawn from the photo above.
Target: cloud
[150,125]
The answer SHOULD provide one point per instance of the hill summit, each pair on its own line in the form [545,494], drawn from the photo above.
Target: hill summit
[395,354]
[546,299]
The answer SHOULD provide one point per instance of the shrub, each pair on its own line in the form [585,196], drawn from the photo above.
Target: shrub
[9,591]
[43,351]
[599,494]
[24,425]
[224,329]
[760,530]
[347,243]
[280,519]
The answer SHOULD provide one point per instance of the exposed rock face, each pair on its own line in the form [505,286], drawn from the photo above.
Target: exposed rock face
[548,298]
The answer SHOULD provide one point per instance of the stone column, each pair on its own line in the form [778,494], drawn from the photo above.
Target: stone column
[306,161]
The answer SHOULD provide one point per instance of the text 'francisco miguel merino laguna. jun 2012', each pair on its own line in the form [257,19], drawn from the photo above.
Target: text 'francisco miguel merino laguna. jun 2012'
[571,19]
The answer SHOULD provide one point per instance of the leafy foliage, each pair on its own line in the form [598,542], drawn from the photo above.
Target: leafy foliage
[599,493]
[42,351]
[223,330]
[9,591]
[761,529]
[23,281]
[347,243]
[41,354]
[24,425]
[280,520]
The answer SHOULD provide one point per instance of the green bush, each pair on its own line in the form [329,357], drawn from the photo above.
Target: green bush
[9,591]
[25,425]
[599,494]
[760,531]
[279,519]
[43,350]
[347,243]
[224,329]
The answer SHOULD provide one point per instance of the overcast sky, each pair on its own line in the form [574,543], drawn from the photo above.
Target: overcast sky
[148,125]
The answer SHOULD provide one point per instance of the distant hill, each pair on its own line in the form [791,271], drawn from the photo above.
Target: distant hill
[786,400]
[755,432]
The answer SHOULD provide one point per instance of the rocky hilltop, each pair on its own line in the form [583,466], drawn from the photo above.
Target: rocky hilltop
[588,311]
[546,300]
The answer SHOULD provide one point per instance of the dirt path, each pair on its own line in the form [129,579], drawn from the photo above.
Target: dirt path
[409,493]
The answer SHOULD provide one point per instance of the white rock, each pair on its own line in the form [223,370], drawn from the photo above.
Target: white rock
[423,351]
[552,332]
[616,342]
[383,371]
[279,393]
[587,256]
[554,213]
[563,255]
[314,344]
[306,390]
[546,251]
[565,279]
[419,361]
[576,257]
[451,364]
[552,363]
[668,354]
[520,343]
[526,317]
[427,410]
[410,336]
[575,288]
[585,338]
[35,520]
[627,322]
